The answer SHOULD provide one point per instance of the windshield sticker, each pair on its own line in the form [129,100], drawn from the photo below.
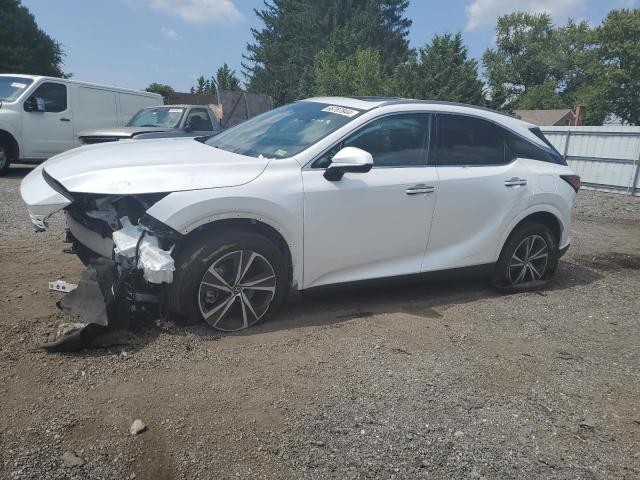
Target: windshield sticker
[175,110]
[280,153]
[347,112]
[18,85]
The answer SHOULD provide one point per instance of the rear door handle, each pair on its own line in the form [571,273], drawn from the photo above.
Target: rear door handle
[420,188]
[65,119]
[515,181]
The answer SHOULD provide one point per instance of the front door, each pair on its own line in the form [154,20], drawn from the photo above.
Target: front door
[374,224]
[47,127]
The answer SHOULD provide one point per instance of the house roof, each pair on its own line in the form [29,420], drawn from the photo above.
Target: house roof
[543,117]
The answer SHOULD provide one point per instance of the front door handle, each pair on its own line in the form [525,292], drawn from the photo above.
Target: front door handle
[65,119]
[515,181]
[420,188]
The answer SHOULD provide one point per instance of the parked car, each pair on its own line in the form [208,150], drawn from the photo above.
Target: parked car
[327,191]
[159,122]
[41,116]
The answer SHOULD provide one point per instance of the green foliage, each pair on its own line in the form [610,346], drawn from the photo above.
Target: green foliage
[162,89]
[361,74]
[618,45]
[282,60]
[441,71]
[224,79]
[24,48]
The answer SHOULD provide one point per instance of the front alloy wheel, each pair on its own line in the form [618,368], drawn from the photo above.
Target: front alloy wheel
[236,290]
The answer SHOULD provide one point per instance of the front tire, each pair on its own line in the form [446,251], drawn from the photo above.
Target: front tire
[5,160]
[231,280]
[529,257]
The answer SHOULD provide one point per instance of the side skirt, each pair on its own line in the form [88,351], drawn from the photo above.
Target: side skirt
[448,274]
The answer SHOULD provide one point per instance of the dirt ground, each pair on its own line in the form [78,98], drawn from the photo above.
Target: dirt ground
[446,380]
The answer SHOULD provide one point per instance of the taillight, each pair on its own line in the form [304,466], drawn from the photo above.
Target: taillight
[573,180]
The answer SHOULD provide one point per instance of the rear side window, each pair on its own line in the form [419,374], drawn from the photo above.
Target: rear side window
[52,95]
[464,140]
[521,148]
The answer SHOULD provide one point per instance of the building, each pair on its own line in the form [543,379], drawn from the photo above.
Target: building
[558,117]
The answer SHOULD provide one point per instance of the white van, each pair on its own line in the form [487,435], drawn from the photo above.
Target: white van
[42,116]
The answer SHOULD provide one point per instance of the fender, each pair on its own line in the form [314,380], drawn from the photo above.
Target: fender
[7,129]
[186,211]
[537,208]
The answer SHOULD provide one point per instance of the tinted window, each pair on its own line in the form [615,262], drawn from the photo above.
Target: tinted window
[393,141]
[199,120]
[52,96]
[462,140]
[522,148]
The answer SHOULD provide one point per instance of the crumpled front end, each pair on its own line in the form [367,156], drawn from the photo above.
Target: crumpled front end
[128,255]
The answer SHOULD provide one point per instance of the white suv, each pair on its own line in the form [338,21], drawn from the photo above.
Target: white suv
[320,192]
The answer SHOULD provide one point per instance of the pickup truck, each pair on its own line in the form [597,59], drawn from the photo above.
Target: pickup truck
[159,122]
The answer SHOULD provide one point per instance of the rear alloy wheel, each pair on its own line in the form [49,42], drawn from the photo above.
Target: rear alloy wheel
[529,257]
[529,260]
[236,290]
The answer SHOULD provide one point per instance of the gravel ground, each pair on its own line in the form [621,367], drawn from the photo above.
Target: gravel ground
[448,380]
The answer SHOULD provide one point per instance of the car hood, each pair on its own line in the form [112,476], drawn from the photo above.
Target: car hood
[151,166]
[125,132]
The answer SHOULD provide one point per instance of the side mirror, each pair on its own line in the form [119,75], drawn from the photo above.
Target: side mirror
[34,104]
[187,127]
[349,159]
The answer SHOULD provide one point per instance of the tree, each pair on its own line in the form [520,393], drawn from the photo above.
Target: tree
[281,60]
[441,71]
[617,42]
[225,79]
[361,74]
[162,89]
[25,48]
[201,85]
[527,53]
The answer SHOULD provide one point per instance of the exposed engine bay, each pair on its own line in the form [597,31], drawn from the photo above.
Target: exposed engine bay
[129,262]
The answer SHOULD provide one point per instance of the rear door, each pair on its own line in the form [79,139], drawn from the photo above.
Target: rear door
[47,127]
[481,189]
[374,224]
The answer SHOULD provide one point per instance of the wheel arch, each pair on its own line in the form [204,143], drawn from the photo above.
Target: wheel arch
[548,216]
[258,225]
[13,143]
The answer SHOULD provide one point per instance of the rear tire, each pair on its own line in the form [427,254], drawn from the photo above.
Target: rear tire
[232,279]
[529,257]
[5,160]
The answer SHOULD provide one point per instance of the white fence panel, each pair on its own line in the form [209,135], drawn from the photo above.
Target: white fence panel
[606,158]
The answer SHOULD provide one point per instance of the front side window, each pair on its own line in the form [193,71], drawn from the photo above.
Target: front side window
[48,97]
[199,120]
[392,141]
[163,117]
[464,140]
[12,87]
[285,131]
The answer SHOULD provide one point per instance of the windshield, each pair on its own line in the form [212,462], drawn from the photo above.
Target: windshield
[285,131]
[12,87]
[166,117]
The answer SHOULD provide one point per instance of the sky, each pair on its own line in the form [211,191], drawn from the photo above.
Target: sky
[131,43]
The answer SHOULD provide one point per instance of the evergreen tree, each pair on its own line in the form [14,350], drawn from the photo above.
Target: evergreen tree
[282,58]
[441,71]
[225,79]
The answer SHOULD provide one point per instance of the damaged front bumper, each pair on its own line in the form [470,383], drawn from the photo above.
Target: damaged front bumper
[128,253]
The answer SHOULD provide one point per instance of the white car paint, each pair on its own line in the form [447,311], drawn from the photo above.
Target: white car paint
[363,226]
